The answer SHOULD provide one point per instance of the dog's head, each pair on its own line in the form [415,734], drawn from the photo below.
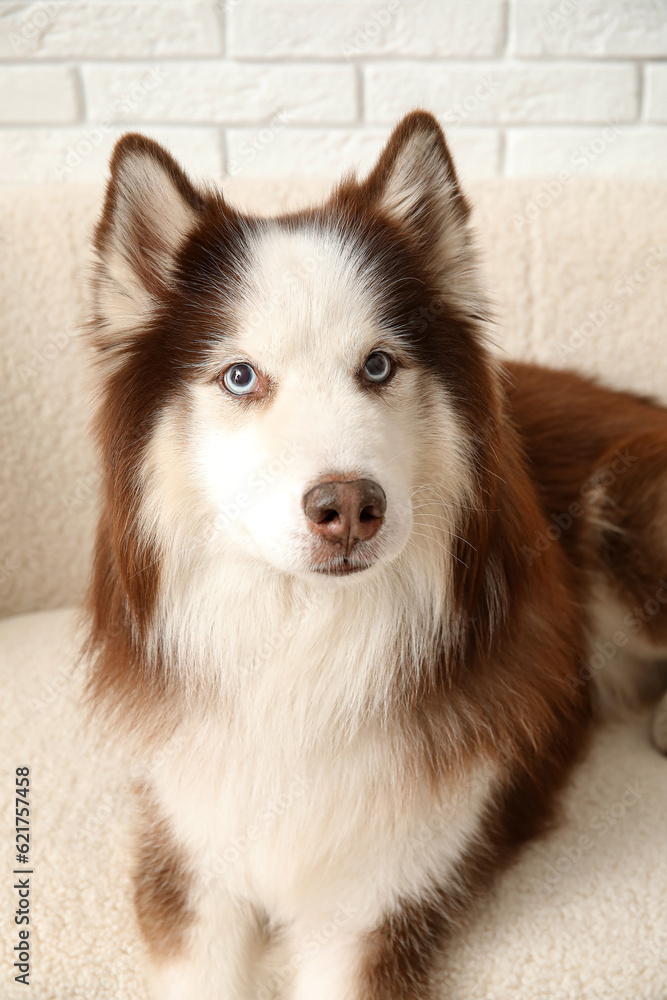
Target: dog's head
[307,392]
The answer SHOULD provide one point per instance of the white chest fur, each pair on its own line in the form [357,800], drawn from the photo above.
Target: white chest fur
[292,828]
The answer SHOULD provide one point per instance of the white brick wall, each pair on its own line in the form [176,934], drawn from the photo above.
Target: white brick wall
[278,87]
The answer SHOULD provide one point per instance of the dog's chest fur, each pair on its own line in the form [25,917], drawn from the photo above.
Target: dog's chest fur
[292,827]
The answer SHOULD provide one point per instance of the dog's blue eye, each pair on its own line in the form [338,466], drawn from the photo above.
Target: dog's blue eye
[240,379]
[377,367]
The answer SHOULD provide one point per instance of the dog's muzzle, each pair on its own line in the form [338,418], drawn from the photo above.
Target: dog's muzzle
[344,513]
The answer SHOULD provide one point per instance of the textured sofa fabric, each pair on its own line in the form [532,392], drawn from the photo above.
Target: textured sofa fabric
[582,916]
[578,278]
[578,275]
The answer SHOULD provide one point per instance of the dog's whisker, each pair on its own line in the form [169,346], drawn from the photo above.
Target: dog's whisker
[452,534]
[441,497]
[440,544]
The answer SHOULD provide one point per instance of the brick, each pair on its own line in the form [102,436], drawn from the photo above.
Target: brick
[220,92]
[655,94]
[301,152]
[633,151]
[270,28]
[76,29]
[496,93]
[589,27]
[330,152]
[40,94]
[476,151]
[33,156]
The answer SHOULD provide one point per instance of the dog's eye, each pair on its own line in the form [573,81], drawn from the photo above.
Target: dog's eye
[240,379]
[378,367]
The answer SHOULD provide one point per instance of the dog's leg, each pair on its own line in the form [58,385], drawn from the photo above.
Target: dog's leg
[200,943]
[388,961]
[215,960]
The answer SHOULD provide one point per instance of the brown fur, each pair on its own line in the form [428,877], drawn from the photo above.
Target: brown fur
[605,452]
[162,883]
[501,689]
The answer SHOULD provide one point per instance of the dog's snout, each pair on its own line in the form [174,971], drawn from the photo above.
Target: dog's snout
[345,513]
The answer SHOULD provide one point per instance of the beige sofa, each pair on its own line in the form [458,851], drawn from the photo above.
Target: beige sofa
[579,276]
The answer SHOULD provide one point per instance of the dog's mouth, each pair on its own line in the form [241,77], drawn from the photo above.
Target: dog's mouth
[342,566]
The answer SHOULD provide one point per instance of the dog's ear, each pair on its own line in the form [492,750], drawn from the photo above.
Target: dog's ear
[149,211]
[414,183]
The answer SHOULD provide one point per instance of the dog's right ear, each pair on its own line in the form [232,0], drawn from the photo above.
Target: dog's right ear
[149,211]
[414,183]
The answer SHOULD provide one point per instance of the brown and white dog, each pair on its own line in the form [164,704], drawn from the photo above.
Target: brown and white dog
[327,577]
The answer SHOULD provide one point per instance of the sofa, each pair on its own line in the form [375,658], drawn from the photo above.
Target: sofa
[577,271]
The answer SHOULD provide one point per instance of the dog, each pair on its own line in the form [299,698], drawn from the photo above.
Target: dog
[348,567]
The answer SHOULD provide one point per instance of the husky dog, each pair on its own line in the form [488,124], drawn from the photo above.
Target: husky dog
[327,571]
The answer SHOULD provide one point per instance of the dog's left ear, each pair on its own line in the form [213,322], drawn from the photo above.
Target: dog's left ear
[414,182]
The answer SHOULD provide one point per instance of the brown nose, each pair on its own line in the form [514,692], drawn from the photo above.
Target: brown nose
[345,513]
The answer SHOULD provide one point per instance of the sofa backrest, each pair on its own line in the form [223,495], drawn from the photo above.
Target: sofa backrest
[577,272]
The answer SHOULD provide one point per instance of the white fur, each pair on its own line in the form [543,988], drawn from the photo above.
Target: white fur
[308,838]
[306,667]
[301,674]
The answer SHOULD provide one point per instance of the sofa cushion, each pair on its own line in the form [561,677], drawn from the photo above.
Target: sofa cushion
[581,916]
